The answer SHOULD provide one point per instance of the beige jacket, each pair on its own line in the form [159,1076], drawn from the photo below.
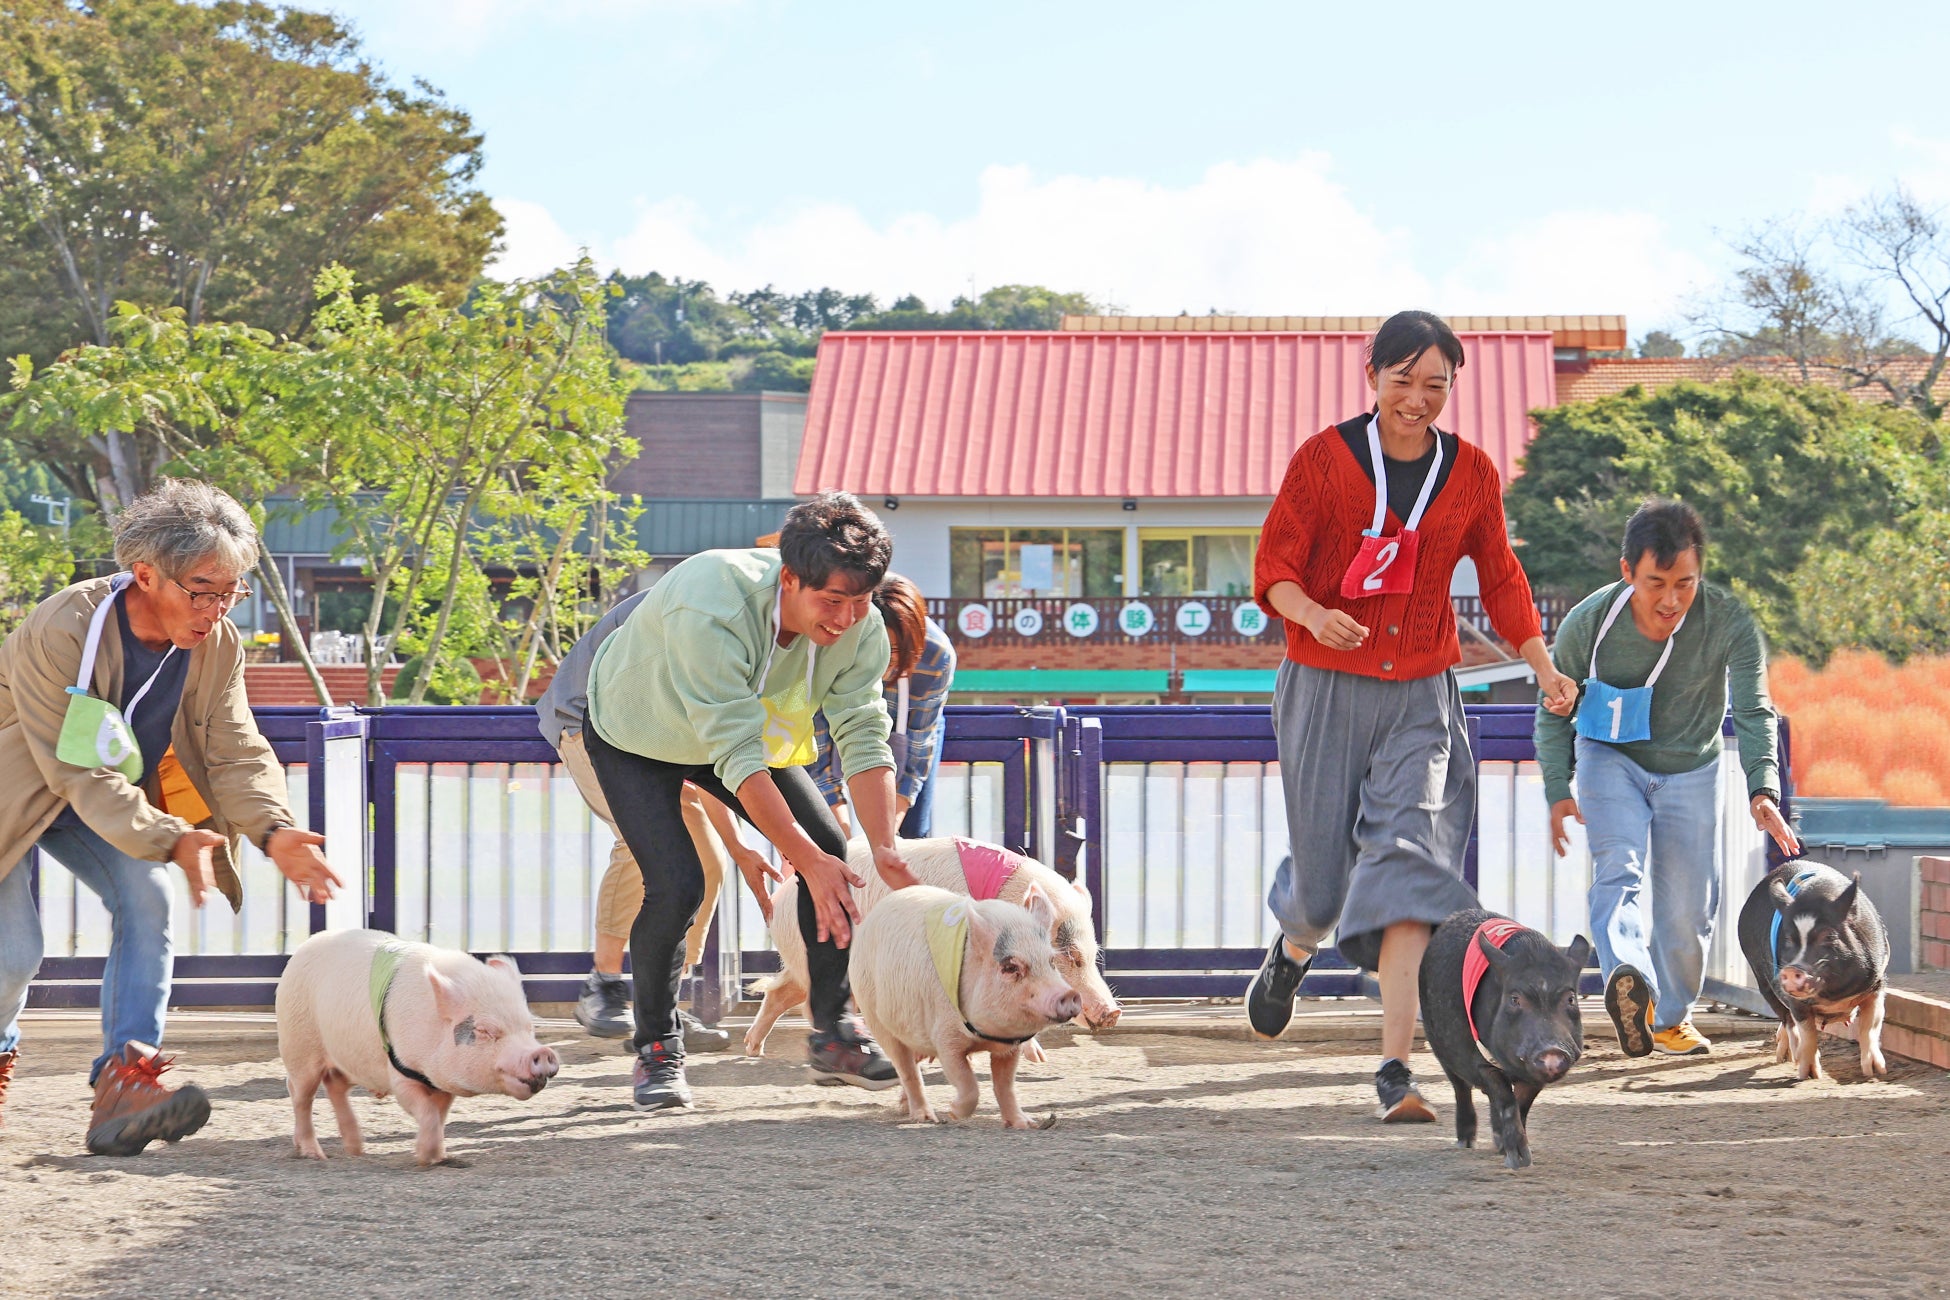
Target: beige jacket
[216,740]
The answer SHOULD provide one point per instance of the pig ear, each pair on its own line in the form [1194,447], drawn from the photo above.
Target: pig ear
[503,962]
[1579,952]
[1778,891]
[1498,958]
[1083,893]
[1845,901]
[1038,905]
[447,1001]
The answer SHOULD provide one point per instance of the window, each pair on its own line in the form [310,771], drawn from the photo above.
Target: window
[998,563]
[1209,562]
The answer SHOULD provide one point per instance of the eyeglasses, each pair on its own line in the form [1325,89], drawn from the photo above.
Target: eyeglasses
[222,601]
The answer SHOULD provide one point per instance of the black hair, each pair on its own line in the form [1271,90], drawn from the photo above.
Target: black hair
[834,536]
[1665,528]
[1405,336]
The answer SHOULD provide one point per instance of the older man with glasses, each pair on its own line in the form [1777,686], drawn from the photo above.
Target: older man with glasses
[126,745]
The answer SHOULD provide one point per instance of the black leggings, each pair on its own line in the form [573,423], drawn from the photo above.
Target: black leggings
[644,799]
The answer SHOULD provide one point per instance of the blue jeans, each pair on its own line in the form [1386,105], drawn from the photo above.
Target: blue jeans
[1662,832]
[135,979]
[919,822]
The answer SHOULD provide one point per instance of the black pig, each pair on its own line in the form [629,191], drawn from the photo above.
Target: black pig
[1527,1031]
[1819,952]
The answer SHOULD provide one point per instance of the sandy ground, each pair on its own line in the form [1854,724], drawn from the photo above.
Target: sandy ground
[1179,1164]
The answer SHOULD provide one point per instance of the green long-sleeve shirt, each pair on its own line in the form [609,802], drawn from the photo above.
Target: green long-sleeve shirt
[680,680]
[1717,656]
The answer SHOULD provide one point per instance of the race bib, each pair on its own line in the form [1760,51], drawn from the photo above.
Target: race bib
[1384,566]
[1615,716]
[94,734]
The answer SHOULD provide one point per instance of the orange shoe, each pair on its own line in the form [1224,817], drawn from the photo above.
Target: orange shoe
[133,1108]
[7,1060]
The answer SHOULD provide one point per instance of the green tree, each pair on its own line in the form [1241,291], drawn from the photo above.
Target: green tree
[33,562]
[1781,474]
[1658,343]
[212,158]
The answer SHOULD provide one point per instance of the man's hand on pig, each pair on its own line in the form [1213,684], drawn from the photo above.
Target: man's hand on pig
[893,868]
[831,883]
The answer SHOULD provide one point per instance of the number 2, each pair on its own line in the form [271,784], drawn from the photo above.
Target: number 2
[1617,707]
[1386,556]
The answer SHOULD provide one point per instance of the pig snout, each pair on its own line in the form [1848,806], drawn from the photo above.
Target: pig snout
[1062,1005]
[1552,1064]
[1101,1015]
[533,1071]
[1798,982]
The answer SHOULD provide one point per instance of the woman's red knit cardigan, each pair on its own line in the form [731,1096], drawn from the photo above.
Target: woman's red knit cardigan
[1314,530]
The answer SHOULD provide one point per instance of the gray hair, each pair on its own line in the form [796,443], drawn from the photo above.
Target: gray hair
[182,522]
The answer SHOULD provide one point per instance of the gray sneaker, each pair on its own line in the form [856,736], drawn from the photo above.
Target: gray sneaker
[604,1006]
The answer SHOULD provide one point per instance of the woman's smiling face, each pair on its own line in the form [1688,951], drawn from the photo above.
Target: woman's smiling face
[1411,395]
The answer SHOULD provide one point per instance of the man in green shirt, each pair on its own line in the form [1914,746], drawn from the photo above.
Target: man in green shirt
[714,679]
[1659,654]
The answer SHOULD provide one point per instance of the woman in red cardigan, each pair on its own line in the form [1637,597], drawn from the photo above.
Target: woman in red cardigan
[1356,557]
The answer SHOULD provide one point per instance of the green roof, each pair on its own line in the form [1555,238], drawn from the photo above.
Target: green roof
[1061,681]
[1232,681]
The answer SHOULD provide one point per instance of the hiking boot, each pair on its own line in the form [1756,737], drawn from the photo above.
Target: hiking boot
[849,1055]
[133,1108]
[1269,998]
[1628,997]
[1400,1102]
[700,1037]
[658,1082]
[1681,1040]
[7,1060]
[603,1008]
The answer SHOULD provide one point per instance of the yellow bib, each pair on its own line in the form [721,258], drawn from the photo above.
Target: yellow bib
[789,738]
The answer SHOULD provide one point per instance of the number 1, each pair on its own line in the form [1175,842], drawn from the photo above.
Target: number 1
[1617,714]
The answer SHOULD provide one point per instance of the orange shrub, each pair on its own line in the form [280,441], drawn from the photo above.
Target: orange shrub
[1913,789]
[1832,779]
[1865,729]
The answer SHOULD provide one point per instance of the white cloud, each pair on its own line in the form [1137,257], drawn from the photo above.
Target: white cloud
[1272,237]
[1575,263]
[534,243]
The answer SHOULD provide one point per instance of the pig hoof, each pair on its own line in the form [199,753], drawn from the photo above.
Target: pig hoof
[1466,1144]
[1032,1052]
[1875,1067]
[1047,1122]
[309,1150]
[1517,1158]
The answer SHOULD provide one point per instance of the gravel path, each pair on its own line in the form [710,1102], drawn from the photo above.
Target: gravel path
[1182,1164]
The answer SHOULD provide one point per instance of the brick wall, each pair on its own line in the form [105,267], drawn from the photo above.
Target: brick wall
[1935,920]
[703,445]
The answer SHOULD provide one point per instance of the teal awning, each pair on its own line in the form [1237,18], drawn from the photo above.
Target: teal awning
[1061,681]
[1230,681]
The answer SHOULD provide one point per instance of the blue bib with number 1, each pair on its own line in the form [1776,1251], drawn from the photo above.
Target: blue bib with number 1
[1619,715]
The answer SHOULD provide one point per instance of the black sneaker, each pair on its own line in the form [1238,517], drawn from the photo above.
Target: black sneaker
[1269,998]
[1400,1102]
[849,1055]
[1628,999]
[604,1006]
[700,1037]
[658,1082]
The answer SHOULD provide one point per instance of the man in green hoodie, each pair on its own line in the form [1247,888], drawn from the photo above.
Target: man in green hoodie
[714,679]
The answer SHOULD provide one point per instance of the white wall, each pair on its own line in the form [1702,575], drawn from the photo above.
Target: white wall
[920,525]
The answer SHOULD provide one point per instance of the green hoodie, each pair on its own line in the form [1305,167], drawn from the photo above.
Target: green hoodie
[679,681]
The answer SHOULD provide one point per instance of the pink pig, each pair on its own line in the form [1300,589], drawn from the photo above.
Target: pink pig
[940,974]
[421,1023]
[947,863]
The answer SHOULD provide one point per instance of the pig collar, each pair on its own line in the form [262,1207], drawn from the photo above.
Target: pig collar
[1498,930]
[385,964]
[947,929]
[1796,883]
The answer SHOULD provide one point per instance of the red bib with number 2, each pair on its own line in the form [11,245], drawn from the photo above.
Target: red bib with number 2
[1385,566]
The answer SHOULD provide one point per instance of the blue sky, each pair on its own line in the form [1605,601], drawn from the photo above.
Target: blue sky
[1269,158]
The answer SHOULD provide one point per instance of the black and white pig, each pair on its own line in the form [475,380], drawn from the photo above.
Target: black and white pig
[1819,952]
[1500,1011]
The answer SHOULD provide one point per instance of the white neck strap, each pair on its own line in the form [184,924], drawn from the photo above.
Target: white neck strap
[772,646]
[1414,519]
[1624,599]
[92,647]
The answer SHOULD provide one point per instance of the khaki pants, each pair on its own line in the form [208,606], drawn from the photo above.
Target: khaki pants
[621,893]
